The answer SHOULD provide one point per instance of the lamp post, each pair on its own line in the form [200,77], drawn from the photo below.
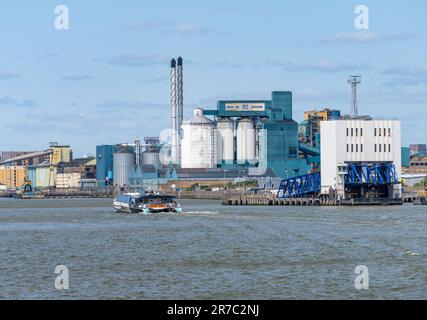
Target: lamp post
[225,183]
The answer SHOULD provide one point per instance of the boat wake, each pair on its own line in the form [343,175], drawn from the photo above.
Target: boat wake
[412,253]
[201,213]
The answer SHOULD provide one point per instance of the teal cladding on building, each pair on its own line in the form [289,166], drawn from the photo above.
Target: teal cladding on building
[104,164]
[406,156]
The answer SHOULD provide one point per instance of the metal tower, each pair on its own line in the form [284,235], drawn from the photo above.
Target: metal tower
[180,101]
[180,91]
[354,81]
[174,107]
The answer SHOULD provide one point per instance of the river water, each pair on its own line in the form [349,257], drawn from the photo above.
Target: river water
[211,251]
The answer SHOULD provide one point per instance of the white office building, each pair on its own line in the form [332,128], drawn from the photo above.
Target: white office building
[366,144]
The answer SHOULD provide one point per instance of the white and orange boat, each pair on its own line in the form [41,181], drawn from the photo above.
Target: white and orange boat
[145,203]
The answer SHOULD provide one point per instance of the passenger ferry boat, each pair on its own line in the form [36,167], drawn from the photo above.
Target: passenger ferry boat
[145,203]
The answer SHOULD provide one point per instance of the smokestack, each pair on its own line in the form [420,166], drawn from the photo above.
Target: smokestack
[174,109]
[180,97]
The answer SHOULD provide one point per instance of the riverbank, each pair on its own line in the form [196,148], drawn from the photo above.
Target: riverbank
[63,194]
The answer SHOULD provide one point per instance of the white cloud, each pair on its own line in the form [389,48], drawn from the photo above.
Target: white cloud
[129,107]
[169,27]
[406,76]
[321,66]
[367,37]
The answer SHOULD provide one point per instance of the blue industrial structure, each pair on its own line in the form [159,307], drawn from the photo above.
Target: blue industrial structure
[104,164]
[374,174]
[406,156]
[31,175]
[281,131]
[301,186]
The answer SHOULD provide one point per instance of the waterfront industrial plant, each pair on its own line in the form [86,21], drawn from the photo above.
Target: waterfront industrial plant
[240,143]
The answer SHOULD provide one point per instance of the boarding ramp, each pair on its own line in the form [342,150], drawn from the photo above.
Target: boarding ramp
[373,174]
[300,186]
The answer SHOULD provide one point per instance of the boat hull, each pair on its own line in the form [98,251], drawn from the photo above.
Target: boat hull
[121,207]
[145,204]
[163,210]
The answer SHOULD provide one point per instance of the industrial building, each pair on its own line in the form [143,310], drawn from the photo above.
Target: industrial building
[257,134]
[359,164]
[309,134]
[55,154]
[127,164]
[309,128]
[362,158]
[244,134]
[4,155]
[37,168]
[45,175]
[151,155]
[198,142]
[360,161]
[12,177]
[406,157]
[418,149]
[414,167]
[104,165]
[76,174]
[123,165]
[417,164]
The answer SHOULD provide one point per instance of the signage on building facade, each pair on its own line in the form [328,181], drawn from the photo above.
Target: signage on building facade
[256,106]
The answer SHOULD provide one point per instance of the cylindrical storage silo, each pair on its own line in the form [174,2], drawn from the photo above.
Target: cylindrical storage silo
[246,141]
[152,158]
[123,165]
[225,144]
[198,142]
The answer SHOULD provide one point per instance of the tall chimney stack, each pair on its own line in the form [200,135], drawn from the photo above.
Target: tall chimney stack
[174,109]
[180,97]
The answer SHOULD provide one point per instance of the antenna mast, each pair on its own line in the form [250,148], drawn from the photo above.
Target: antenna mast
[354,81]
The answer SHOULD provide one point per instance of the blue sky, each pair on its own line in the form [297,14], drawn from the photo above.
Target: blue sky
[105,80]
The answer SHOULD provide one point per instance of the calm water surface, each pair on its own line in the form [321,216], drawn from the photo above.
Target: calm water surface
[211,251]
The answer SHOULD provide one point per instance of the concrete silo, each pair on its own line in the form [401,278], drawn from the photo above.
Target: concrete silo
[198,142]
[123,164]
[246,141]
[152,157]
[225,136]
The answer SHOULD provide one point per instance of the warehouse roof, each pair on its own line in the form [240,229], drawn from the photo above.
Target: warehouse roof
[78,162]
